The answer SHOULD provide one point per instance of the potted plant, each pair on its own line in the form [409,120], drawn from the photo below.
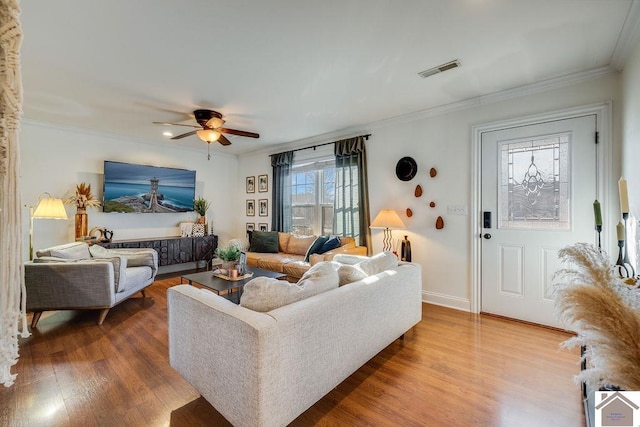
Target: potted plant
[201,206]
[229,255]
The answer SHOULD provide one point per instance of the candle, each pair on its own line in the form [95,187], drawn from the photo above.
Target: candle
[620,231]
[624,195]
[597,212]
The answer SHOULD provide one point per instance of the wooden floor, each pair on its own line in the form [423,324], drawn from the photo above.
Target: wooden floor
[453,369]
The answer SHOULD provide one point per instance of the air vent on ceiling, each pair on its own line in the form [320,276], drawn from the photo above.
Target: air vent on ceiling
[439,69]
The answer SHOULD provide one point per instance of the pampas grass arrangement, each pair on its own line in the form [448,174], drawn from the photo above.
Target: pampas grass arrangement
[603,311]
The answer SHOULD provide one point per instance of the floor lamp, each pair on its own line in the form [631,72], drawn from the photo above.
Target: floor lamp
[387,220]
[49,208]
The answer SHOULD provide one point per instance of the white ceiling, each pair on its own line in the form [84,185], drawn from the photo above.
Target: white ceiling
[293,69]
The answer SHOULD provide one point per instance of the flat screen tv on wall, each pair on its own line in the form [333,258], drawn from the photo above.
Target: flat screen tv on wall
[149,189]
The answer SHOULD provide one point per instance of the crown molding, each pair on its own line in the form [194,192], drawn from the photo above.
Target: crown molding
[543,86]
[629,36]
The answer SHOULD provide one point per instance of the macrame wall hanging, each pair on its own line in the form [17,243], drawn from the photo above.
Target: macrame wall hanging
[12,305]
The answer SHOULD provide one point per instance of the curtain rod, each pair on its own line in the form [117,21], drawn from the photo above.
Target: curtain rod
[366,137]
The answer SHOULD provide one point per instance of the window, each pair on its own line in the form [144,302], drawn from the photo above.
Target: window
[312,196]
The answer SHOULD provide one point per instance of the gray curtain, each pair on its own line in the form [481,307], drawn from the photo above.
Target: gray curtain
[351,207]
[281,203]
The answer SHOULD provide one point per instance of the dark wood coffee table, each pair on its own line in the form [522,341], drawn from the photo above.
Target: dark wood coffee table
[208,280]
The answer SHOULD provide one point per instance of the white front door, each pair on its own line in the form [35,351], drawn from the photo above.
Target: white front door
[538,186]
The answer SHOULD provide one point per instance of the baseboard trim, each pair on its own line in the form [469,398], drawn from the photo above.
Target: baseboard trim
[457,303]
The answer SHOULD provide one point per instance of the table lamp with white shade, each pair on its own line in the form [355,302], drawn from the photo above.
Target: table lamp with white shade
[48,208]
[387,219]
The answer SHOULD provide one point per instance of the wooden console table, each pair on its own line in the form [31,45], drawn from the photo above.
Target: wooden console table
[173,250]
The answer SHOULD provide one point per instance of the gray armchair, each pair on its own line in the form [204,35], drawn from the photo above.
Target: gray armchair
[78,276]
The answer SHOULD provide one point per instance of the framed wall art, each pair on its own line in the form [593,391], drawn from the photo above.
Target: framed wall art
[263,207]
[251,226]
[263,226]
[263,183]
[251,207]
[251,184]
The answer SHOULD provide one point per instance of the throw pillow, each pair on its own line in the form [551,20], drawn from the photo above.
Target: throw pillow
[264,241]
[69,251]
[266,294]
[349,274]
[378,263]
[298,245]
[98,251]
[330,245]
[315,247]
[319,278]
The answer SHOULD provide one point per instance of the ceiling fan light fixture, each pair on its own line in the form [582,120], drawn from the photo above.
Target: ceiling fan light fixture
[208,135]
[215,122]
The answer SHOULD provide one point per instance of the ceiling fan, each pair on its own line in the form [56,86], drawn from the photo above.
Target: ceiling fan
[211,123]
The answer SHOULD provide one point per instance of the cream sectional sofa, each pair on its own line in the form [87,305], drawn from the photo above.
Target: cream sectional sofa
[291,253]
[266,368]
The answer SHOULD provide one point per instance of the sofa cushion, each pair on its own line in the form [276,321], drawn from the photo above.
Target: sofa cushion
[315,247]
[266,294]
[378,263]
[75,250]
[331,244]
[295,269]
[347,242]
[264,241]
[299,244]
[283,241]
[135,276]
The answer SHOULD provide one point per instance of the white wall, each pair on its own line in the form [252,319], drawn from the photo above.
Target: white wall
[630,90]
[253,165]
[443,141]
[55,159]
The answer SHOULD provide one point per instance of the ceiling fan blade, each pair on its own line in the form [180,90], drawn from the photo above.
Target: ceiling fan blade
[238,132]
[174,124]
[184,135]
[223,140]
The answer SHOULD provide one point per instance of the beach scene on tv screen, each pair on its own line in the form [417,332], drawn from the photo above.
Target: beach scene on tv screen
[140,188]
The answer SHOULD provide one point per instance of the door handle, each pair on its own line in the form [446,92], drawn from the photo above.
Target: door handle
[486,236]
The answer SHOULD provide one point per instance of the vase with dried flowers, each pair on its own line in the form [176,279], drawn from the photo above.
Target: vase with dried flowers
[83,200]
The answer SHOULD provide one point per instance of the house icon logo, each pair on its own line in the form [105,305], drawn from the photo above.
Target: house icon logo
[616,409]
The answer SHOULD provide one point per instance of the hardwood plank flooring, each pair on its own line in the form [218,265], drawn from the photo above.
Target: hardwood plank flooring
[452,369]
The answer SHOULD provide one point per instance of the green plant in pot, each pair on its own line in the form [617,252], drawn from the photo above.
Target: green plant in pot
[229,255]
[201,206]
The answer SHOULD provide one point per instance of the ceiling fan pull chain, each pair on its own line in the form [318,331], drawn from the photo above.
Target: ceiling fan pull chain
[208,151]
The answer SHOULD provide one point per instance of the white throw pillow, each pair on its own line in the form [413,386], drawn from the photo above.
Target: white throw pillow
[98,251]
[266,294]
[71,251]
[378,263]
[349,274]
